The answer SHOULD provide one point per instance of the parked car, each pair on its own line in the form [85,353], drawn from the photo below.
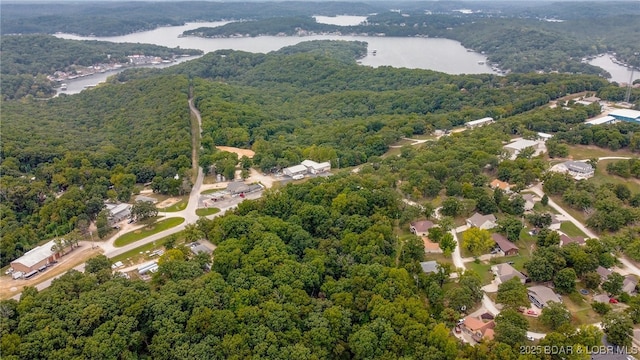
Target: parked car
[613,301]
[458,330]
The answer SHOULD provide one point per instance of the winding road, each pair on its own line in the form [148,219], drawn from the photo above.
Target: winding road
[189,213]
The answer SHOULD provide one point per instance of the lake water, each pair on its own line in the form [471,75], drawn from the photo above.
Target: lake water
[443,55]
[619,74]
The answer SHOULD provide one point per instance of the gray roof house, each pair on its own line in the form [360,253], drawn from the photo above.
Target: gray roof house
[505,272]
[629,284]
[429,267]
[579,169]
[482,221]
[540,296]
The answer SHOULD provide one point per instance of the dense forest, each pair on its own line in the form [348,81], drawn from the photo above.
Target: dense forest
[311,271]
[287,106]
[63,157]
[316,270]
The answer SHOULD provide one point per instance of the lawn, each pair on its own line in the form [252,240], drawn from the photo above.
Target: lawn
[585,152]
[179,206]
[207,211]
[571,229]
[538,207]
[483,269]
[577,214]
[602,177]
[580,309]
[439,258]
[139,254]
[210,191]
[148,230]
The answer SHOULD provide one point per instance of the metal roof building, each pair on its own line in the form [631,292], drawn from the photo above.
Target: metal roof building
[35,258]
[601,121]
[626,115]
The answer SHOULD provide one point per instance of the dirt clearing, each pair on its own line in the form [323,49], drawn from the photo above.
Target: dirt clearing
[241,152]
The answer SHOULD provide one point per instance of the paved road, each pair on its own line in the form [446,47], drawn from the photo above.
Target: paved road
[537,189]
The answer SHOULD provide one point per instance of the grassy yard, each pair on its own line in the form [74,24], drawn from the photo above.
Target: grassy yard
[439,258]
[207,211]
[538,207]
[577,214]
[585,152]
[571,230]
[179,206]
[139,254]
[483,269]
[580,309]
[602,177]
[210,191]
[148,230]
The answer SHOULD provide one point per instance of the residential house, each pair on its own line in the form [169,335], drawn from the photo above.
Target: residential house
[505,246]
[429,267]
[556,222]
[529,201]
[482,221]
[421,228]
[540,296]
[601,298]
[431,247]
[478,329]
[564,240]
[505,272]
[502,185]
[603,272]
[578,169]
[629,284]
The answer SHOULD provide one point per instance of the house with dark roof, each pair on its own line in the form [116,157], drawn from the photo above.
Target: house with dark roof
[482,221]
[565,240]
[477,328]
[421,228]
[540,296]
[505,272]
[505,246]
[579,169]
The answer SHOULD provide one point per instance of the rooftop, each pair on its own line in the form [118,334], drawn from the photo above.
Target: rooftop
[503,243]
[521,144]
[578,166]
[429,266]
[626,113]
[543,294]
[36,254]
[478,219]
[422,226]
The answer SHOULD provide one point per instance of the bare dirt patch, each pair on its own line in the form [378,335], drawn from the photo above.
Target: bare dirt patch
[168,202]
[241,152]
[10,287]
